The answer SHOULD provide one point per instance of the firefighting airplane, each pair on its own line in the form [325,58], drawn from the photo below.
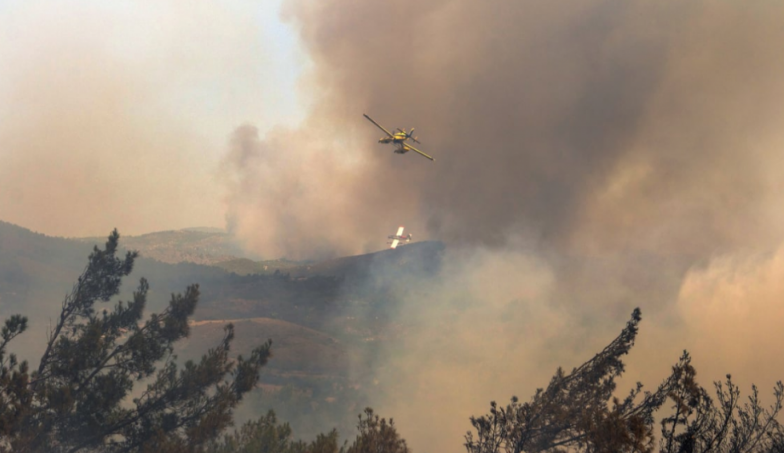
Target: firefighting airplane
[399,139]
[397,238]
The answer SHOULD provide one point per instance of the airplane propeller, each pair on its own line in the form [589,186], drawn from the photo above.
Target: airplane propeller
[411,136]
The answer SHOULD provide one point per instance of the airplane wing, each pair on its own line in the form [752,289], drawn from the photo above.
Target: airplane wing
[420,152]
[379,126]
[399,231]
[394,244]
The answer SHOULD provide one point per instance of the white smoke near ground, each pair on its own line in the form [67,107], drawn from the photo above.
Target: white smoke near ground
[492,324]
[465,342]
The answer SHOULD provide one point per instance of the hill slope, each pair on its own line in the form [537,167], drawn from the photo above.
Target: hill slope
[192,245]
[297,349]
[36,271]
[326,320]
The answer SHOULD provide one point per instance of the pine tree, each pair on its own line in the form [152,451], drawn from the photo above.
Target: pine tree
[266,435]
[376,435]
[578,413]
[573,410]
[698,425]
[78,398]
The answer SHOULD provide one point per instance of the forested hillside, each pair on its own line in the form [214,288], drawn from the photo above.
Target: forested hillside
[325,319]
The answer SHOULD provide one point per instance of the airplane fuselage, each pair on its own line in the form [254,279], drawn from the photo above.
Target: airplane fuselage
[398,138]
[399,141]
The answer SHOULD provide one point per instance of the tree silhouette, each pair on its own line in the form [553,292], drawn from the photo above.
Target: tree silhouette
[577,412]
[698,425]
[266,435]
[77,399]
[376,435]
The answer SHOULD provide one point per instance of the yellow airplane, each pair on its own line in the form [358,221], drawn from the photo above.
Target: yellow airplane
[399,139]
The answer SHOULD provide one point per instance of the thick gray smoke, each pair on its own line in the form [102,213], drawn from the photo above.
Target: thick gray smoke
[590,157]
[606,125]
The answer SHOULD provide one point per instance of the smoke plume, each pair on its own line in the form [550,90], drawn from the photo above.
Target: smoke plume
[603,126]
[590,157]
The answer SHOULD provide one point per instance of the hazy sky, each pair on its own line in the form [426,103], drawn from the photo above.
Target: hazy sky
[116,113]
